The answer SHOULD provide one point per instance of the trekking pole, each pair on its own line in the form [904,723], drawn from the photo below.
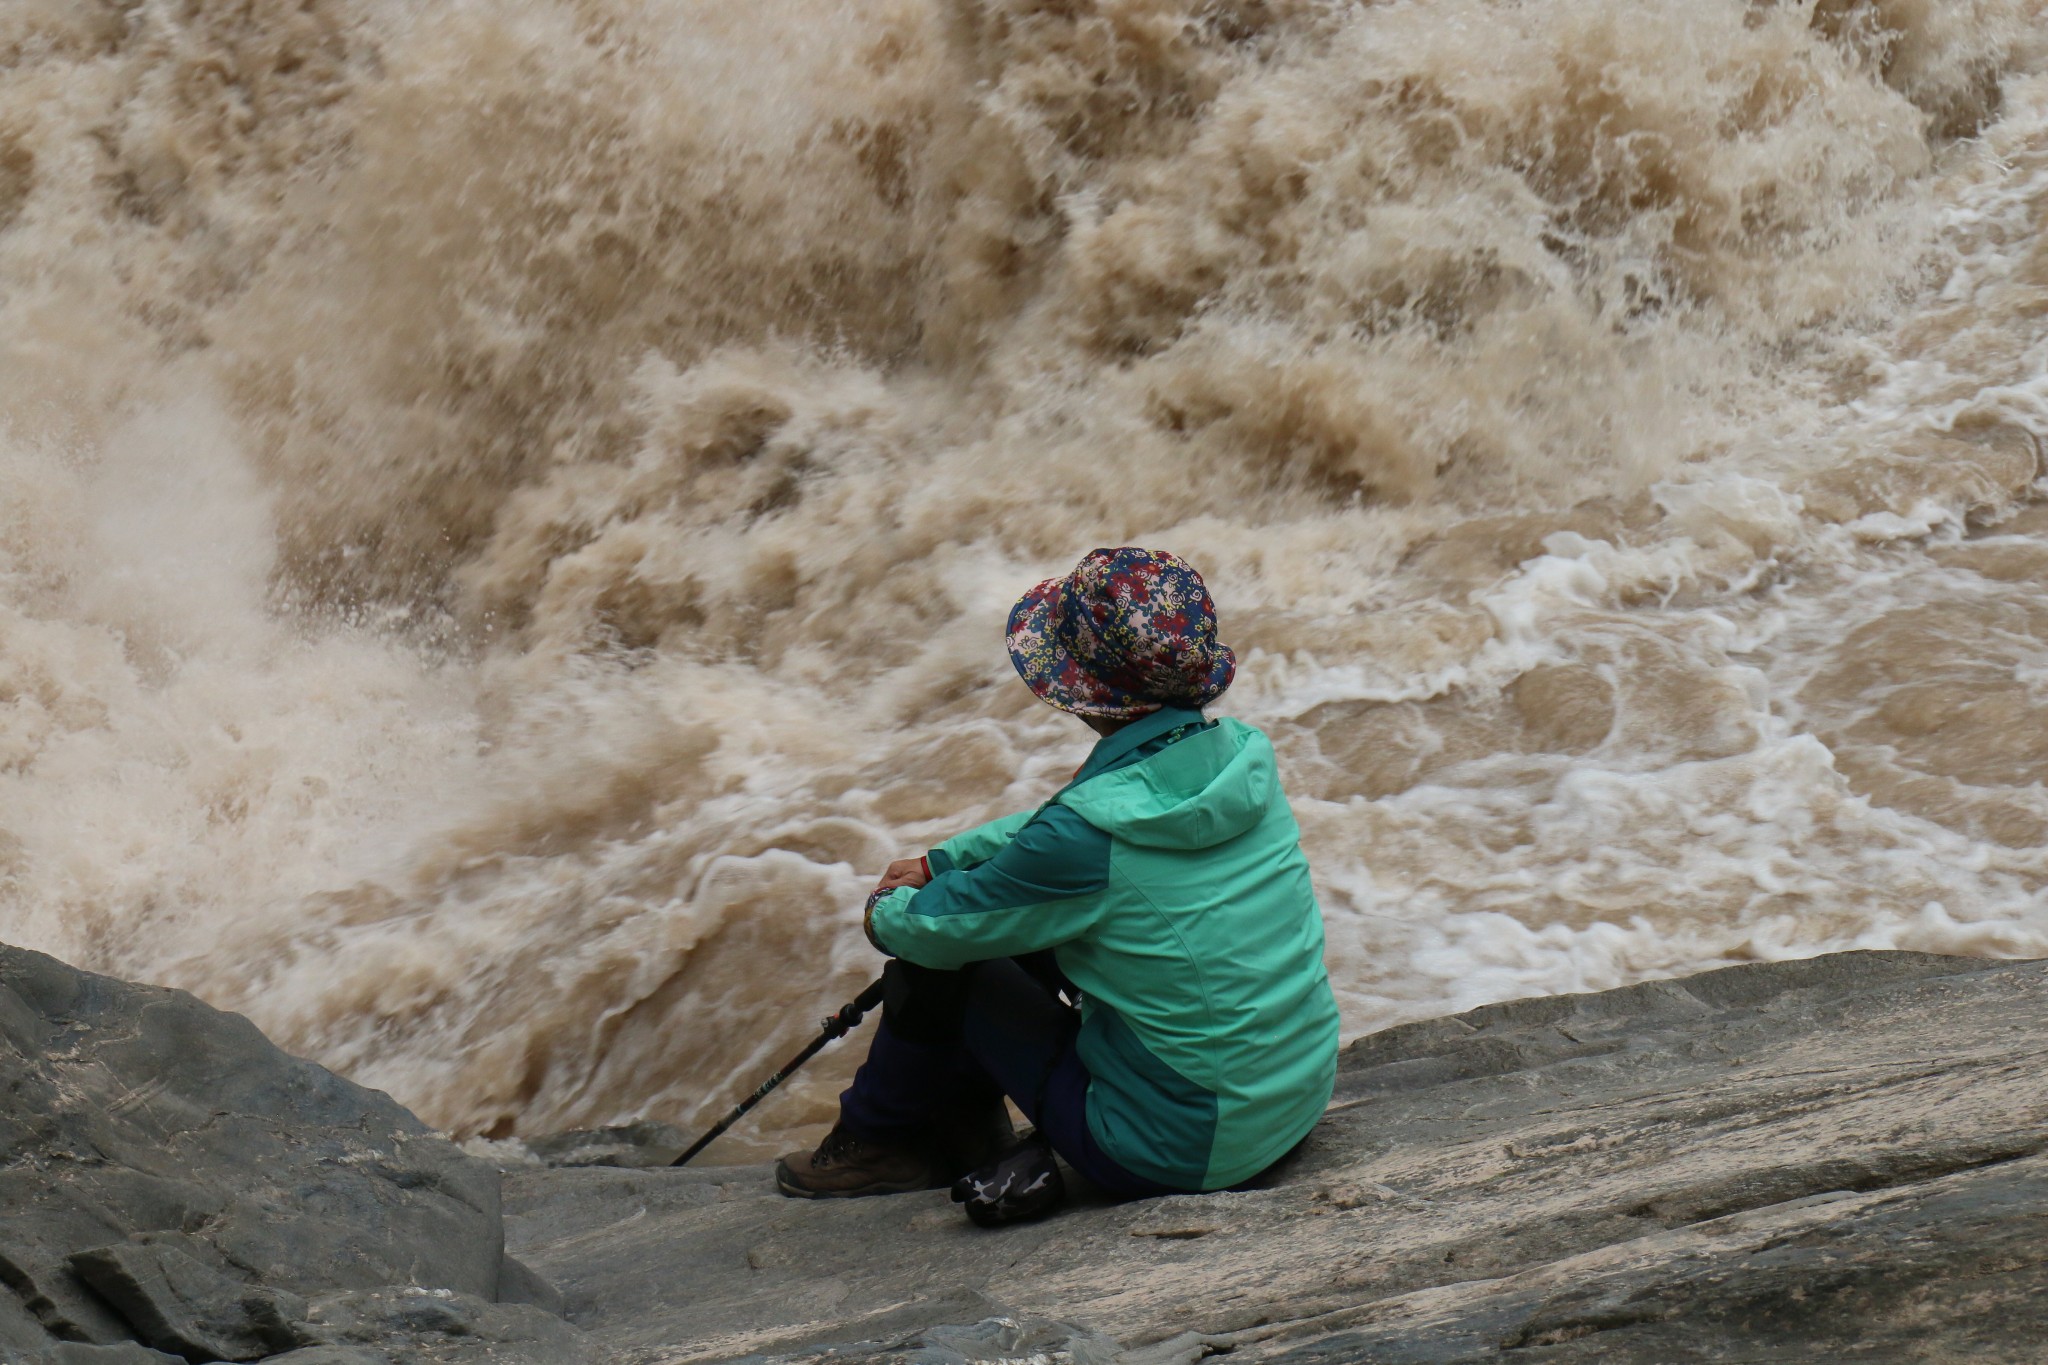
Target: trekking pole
[835,1026]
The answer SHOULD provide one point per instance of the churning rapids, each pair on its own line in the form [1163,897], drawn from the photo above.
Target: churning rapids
[506,509]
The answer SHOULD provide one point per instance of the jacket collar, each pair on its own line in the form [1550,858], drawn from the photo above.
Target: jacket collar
[1111,748]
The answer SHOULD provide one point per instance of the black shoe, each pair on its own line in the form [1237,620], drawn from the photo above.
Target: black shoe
[1022,1184]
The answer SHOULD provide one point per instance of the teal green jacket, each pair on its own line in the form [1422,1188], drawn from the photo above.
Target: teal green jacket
[1169,878]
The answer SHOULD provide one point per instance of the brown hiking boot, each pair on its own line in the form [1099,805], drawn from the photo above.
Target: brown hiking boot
[845,1167]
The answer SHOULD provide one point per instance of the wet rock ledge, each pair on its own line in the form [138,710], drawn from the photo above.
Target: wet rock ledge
[1843,1158]
[174,1187]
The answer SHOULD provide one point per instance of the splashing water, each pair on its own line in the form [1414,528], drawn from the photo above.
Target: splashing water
[506,511]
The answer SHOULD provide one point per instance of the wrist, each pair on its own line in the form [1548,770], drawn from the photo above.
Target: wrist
[867,923]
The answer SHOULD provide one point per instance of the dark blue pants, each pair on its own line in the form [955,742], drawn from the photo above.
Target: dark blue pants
[950,1045]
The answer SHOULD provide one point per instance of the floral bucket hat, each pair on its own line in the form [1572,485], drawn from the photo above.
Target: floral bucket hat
[1127,632]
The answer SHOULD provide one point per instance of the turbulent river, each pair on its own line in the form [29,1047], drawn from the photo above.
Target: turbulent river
[507,509]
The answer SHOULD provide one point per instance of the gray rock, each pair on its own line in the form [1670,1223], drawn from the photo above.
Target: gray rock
[178,1303]
[1904,1274]
[440,1327]
[1763,1163]
[77,1353]
[642,1145]
[134,1111]
[1846,1157]
[992,1341]
[19,1329]
[32,1266]
[520,1283]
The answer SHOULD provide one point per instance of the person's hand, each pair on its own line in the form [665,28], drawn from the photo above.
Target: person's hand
[904,872]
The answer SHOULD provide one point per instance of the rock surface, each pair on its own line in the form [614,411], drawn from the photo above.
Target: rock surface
[1842,1158]
[170,1178]
[185,1302]
[640,1145]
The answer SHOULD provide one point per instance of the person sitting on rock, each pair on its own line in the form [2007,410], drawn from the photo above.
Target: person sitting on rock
[1164,887]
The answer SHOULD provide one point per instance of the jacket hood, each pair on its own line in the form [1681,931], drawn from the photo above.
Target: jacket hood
[1195,793]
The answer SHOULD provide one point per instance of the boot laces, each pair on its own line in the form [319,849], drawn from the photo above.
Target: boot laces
[839,1145]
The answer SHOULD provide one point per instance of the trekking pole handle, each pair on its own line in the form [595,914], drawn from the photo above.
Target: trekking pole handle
[849,1016]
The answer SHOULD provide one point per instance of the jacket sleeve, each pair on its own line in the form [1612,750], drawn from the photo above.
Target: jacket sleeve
[1043,888]
[976,846]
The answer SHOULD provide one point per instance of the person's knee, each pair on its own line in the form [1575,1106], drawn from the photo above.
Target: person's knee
[922,1004]
[1006,1004]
